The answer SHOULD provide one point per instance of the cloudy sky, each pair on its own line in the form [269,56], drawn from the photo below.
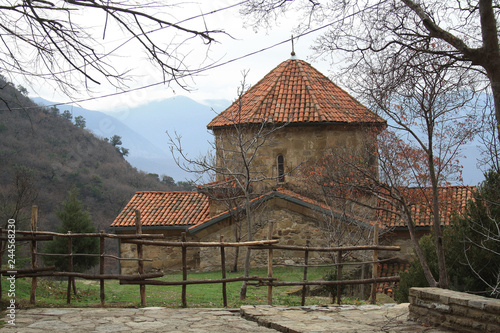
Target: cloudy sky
[233,53]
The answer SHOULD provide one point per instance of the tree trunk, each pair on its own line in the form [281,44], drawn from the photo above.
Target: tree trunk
[243,291]
[494,77]
[489,54]
[420,255]
[237,239]
[234,269]
[444,280]
[74,286]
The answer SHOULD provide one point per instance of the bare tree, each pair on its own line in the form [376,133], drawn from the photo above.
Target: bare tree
[341,223]
[462,32]
[58,41]
[423,100]
[426,104]
[237,164]
[18,196]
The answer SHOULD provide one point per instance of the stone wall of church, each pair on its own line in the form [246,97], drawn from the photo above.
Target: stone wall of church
[299,145]
[292,225]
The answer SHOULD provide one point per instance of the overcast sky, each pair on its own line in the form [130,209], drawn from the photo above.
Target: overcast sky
[218,83]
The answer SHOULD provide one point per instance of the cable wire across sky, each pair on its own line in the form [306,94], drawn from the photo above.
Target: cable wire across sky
[200,70]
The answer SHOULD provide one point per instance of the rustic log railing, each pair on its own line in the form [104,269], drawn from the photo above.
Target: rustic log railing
[338,282]
[143,279]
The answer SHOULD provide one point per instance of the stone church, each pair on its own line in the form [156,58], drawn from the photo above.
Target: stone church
[288,120]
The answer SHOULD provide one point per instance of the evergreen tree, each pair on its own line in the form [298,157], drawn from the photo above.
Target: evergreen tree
[67,115]
[77,220]
[80,122]
[475,236]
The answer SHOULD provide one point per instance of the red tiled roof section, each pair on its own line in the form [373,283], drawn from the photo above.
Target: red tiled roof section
[164,209]
[390,269]
[451,199]
[295,92]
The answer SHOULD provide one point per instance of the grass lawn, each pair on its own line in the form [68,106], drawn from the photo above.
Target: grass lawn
[52,293]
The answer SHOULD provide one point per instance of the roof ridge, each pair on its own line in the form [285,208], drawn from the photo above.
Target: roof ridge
[440,187]
[259,103]
[162,192]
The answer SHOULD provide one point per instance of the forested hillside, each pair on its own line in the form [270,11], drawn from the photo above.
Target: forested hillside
[43,154]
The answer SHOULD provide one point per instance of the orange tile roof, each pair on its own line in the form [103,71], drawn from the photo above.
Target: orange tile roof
[451,199]
[387,269]
[164,209]
[295,92]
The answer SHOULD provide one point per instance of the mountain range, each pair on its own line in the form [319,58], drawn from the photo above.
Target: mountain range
[143,130]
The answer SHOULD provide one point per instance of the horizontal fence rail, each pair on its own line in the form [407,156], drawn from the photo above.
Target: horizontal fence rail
[142,278]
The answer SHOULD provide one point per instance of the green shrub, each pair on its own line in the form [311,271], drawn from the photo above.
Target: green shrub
[415,276]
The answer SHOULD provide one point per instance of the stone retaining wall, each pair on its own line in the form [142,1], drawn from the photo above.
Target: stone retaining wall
[455,310]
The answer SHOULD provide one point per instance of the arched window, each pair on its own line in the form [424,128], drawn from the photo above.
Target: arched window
[281,169]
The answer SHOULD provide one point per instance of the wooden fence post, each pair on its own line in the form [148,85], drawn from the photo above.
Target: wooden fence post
[362,286]
[140,255]
[70,268]
[223,268]
[270,266]
[1,255]
[339,277]
[306,262]
[375,266]
[101,267]
[34,220]
[184,269]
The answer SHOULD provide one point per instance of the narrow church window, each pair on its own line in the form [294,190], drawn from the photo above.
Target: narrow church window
[281,169]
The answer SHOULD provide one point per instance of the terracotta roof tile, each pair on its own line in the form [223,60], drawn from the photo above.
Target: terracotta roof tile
[295,92]
[164,209]
[451,198]
[388,269]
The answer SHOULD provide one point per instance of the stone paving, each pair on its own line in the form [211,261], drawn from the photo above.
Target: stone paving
[345,318]
[247,319]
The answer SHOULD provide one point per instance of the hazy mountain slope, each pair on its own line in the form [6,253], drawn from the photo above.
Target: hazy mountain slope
[61,155]
[143,130]
[143,154]
[180,115]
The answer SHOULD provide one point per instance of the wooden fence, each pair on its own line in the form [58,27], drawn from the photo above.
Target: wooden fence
[143,279]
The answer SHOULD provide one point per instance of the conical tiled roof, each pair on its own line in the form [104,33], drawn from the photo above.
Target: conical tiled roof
[295,92]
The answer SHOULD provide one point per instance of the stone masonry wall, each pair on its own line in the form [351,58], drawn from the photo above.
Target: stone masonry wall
[293,225]
[298,145]
[454,310]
